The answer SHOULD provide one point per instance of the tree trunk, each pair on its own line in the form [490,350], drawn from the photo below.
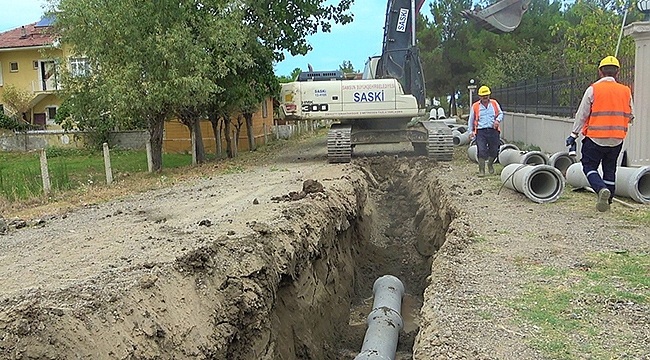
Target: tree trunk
[226,122]
[156,129]
[214,121]
[238,126]
[200,148]
[249,131]
[191,119]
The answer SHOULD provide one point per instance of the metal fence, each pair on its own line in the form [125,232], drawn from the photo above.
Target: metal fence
[557,96]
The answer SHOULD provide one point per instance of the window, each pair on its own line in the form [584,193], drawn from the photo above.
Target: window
[13,66]
[51,114]
[79,66]
[35,64]
[265,110]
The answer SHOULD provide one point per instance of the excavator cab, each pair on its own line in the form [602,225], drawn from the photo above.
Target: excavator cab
[501,17]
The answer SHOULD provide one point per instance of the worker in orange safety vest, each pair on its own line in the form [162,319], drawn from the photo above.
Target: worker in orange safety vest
[484,125]
[603,117]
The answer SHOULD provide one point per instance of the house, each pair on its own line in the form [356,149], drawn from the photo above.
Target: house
[29,56]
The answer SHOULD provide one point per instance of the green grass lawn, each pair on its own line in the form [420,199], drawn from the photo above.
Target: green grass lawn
[20,173]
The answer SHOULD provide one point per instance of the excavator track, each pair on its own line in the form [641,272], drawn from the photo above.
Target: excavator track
[339,144]
[440,141]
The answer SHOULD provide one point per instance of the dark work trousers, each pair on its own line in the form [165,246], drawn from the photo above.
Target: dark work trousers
[594,155]
[487,143]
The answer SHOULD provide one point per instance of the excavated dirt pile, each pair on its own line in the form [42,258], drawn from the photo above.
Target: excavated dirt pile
[271,263]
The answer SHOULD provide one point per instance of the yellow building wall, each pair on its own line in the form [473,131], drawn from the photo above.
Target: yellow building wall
[176,137]
[27,77]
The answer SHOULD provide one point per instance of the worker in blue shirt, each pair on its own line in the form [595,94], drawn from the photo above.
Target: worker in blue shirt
[484,125]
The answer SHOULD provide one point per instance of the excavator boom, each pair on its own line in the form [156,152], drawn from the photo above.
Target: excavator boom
[501,17]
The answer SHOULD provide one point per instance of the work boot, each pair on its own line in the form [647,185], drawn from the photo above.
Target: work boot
[481,167]
[602,204]
[490,163]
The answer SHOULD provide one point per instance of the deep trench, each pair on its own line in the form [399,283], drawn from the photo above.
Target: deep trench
[402,223]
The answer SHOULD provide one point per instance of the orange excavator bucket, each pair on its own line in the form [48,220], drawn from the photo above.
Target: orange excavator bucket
[501,17]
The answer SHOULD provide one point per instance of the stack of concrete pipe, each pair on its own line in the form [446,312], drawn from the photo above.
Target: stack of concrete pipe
[633,183]
[540,183]
[512,156]
[384,321]
[472,150]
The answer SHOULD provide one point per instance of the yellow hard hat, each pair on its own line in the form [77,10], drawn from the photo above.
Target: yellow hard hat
[484,90]
[609,60]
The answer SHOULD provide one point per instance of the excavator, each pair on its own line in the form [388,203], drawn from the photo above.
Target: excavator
[387,105]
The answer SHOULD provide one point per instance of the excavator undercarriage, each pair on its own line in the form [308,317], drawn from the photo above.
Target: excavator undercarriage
[433,139]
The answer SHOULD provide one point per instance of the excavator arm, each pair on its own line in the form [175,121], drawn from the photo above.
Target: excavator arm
[400,58]
[501,17]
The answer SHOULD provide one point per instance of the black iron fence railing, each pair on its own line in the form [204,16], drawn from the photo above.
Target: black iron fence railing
[557,96]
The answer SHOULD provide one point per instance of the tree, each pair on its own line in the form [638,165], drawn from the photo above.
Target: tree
[284,24]
[17,99]
[347,67]
[590,31]
[446,67]
[153,59]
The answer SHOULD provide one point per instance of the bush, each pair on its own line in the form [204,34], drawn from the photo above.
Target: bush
[11,123]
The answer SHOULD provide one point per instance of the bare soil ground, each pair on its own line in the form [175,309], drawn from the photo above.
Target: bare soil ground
[256,261]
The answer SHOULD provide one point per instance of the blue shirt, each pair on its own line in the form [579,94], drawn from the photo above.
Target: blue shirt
[486,116]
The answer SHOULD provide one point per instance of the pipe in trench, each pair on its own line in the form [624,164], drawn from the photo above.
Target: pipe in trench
[384,321]
[633,183]
[561,160]
[540,183]
[472,151]
[512,156]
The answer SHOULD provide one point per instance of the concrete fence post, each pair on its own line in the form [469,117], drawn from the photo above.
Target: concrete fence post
[45,174]
[107,164]
[149,156]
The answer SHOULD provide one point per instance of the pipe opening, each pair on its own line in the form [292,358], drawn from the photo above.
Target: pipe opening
[643,186]
[562,163]
[544,185]
[534,158]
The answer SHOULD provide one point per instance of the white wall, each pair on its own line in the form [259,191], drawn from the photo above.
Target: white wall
[547,132]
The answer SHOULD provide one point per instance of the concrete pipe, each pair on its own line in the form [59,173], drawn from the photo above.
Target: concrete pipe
[384,321]
[460,128]
[472,153]
[633,183]
[460,138]
[561,160]
[540,183]
[506,146]
[512,156]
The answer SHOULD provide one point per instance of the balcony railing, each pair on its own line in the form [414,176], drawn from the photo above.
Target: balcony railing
[38,86]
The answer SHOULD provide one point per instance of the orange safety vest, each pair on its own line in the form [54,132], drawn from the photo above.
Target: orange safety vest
[477,110]
[610,111]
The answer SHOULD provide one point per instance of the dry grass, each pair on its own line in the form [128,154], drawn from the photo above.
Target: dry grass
[128,184]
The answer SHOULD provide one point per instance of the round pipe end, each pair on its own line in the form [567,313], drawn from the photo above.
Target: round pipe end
[534,158]
[561,161]
[545,184]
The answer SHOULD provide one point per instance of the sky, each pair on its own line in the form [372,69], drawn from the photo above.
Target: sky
[354,42]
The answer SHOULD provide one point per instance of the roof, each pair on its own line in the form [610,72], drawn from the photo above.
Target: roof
[26,36]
